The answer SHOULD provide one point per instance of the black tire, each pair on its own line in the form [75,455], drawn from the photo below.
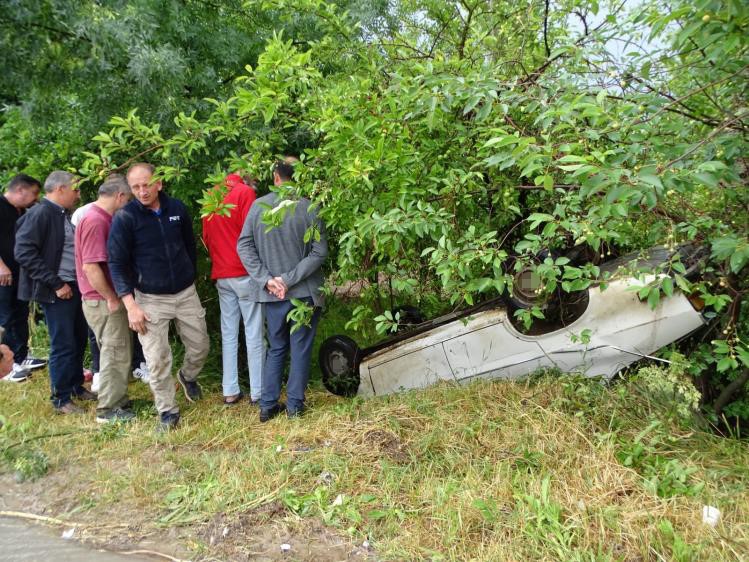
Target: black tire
[339,362]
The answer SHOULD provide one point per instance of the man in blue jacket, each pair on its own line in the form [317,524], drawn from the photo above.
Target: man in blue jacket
[152,260]
[44,250]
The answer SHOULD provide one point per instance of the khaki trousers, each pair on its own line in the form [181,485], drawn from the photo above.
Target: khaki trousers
[189,317]
[116,349]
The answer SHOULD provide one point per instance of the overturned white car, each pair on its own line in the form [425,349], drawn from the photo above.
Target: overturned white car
[483,342]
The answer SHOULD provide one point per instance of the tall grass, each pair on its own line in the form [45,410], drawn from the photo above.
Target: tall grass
[554,468]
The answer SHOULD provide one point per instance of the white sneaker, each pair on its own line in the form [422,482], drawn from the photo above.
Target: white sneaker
[18,374]
[95,383]
[141,372]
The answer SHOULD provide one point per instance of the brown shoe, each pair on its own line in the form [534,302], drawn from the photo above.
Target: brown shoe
[233,399]
[68,408]
[84,394]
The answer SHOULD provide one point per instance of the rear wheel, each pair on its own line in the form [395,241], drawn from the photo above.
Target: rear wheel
[339,361]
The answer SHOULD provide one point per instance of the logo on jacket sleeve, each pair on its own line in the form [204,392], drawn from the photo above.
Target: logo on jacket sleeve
[174,218]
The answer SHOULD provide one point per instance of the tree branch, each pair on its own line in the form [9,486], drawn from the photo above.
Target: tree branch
[714,132]
[727,393]
[466,29]
[678,100]
[546,29]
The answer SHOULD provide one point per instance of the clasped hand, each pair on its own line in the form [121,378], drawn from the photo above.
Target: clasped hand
[277,288]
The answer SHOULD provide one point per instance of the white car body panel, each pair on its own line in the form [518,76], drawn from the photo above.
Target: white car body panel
[486,345]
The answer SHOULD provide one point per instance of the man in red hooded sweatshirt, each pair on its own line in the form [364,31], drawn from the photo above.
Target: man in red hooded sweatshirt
[236,291]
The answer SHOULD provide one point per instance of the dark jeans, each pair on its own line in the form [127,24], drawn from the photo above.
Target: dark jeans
[138,357]
[67,343]
[14,317]
[94,349]
[281,340]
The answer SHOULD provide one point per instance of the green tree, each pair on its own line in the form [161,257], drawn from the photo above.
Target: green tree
[450,145]
[70,66]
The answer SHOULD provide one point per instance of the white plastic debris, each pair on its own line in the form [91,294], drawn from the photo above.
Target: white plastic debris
[68,533]
[225,531]
[338,500]
[710,515]
[279,448]
[325,477]
[365,544]
[285,547]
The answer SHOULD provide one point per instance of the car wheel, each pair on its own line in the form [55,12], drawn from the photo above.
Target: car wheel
[523,293]
[339,361]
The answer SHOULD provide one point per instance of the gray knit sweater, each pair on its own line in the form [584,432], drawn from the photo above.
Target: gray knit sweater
[283,252]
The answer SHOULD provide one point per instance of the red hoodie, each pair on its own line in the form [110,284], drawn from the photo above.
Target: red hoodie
[221,233]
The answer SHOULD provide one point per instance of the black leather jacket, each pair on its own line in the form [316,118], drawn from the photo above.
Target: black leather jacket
[40,236]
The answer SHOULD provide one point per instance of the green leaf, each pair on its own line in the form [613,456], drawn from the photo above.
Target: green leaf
[499,142]
[650,179]
[739,258]
[668,286]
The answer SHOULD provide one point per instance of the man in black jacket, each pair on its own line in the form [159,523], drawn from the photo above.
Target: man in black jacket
[44,250]
[152,260]
[22,193]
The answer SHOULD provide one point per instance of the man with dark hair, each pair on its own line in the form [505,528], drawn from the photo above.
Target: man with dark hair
[152,260]
[45,251]
[285,262]
[22,193]
[103,310]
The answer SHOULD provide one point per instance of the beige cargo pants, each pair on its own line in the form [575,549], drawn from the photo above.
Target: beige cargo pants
[116,349]
[189,318]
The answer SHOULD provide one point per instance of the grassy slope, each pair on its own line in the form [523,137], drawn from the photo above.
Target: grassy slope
[495,471]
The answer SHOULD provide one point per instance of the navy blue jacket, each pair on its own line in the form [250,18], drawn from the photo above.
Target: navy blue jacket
[40,237]
[154,253]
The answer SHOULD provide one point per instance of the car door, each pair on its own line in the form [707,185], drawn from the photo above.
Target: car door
[486,348]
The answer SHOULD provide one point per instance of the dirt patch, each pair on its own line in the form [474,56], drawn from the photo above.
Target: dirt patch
[256,535]
[239,537]
[388,444]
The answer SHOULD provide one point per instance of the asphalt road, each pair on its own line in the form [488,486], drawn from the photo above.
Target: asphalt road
[24,542]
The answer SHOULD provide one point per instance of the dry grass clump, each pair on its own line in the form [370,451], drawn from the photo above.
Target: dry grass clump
[492,471]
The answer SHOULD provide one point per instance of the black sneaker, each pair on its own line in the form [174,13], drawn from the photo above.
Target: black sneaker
[295,412]
[33,363]
[115,415]
[169,421]
[191,388]
[84,394]
[270,413]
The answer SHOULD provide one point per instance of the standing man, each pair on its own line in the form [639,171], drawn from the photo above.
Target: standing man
[140,371]
[237,294]
[152,261]
[285,266]
[44,250]
[22,193]
[104,312]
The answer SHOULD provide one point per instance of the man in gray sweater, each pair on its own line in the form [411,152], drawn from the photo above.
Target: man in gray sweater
[285,267]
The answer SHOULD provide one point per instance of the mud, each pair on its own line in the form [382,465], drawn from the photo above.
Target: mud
[257,535]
